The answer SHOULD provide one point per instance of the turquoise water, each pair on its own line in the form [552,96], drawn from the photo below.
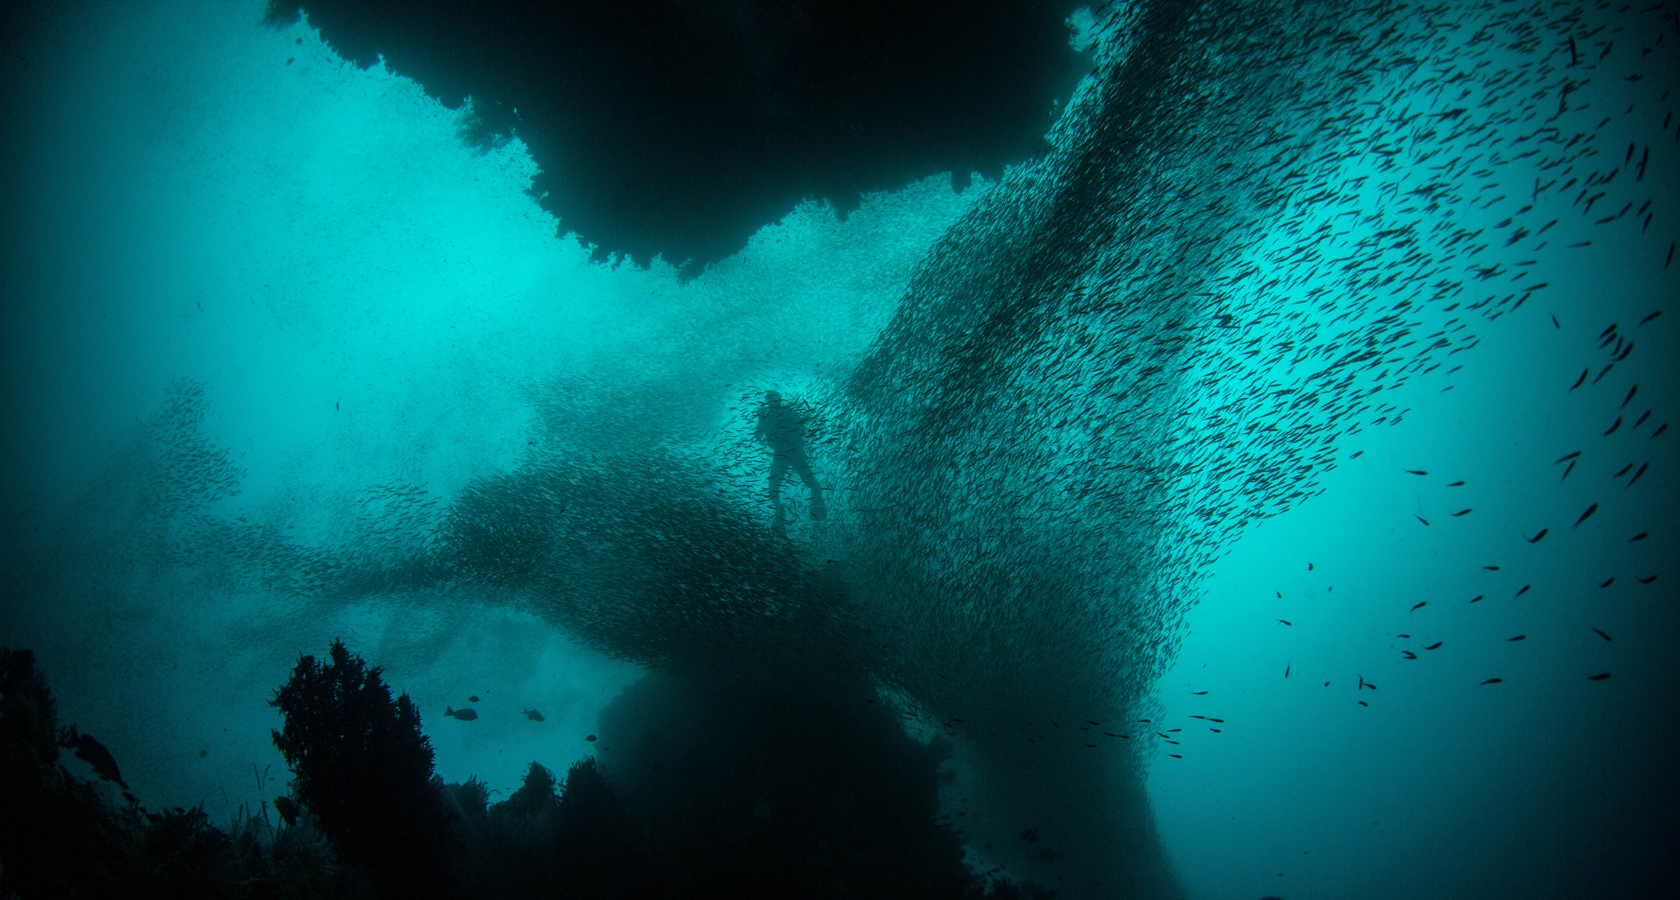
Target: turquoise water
[277,340]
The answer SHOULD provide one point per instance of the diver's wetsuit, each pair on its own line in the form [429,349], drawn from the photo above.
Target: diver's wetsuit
[782,429]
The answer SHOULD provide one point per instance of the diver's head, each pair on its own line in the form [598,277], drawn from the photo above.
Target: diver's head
[772,398]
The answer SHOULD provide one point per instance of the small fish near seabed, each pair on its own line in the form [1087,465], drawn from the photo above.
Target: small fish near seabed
[533,715]
[466,715]
[92,752]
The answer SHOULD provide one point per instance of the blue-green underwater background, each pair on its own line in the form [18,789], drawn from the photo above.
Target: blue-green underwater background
[1203,427]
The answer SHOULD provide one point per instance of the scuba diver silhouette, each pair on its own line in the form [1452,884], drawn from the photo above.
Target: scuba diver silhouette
[782,429]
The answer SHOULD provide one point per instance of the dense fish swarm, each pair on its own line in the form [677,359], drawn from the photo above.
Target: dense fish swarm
[1259,219]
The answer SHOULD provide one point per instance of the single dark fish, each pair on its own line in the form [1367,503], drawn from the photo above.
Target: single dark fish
[1216,731]
[533,715]
[1175,755]
[1420,518]
[1408,654]
[1419,606]
[1462,512]
[1638,537]
[1518,638]
[1198,693]
[1491,568]
[1582,379]
[1650,317]
[1493,681]
[1624,471]
[472,699]
[1309,567]
[1417,472]
[590,738]
[1601,634]
[1608,581]
[287,808]
[1648,580]
[1476,598]
[1220,721]
[1586,515]
[93,753]
[1536,538]
[1613,426]
[1660,429]
[1567,470]
[1599,677]
[1631,391]
[1286,670]
[1361,684]
[465,715]
[1404,636]
[1456,484]
[1642,417]
[1435,646]
[1284,621]
[1566,456]
[1524,589]
[1555,322]
[1642,468]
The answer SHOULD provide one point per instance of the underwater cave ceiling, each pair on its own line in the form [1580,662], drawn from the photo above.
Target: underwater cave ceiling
[680,127]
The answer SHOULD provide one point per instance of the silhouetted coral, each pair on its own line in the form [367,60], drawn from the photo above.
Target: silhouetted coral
[361,764]
[752,783]
[59,837]
[776,791]
[601,854]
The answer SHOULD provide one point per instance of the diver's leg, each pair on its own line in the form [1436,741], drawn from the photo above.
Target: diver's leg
[778,471]
[802,465]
